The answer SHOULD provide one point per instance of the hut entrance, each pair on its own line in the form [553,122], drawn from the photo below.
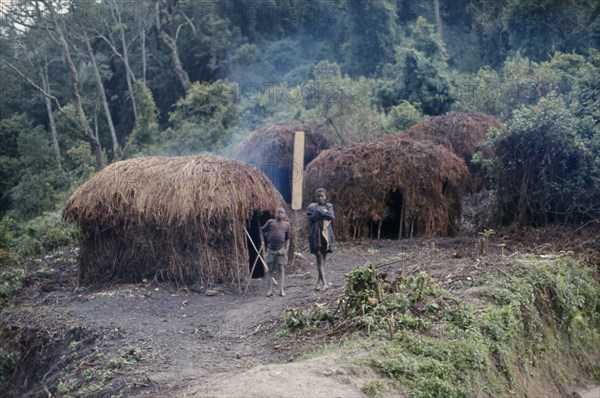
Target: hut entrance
[282,181]
[253,226]
[389,228]
[281,177]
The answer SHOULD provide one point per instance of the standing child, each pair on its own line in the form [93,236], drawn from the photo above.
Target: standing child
[276,233]
[320,215]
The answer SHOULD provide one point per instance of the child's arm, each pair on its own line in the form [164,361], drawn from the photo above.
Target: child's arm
[313,212]
[265,231]
[329,213]
[287,237]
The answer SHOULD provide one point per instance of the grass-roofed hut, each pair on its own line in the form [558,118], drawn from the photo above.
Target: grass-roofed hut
[271,149]
[390,188]
[462,133]
[173,218]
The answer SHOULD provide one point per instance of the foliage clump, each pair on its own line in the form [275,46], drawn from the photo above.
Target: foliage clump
[545,171]
[539,319]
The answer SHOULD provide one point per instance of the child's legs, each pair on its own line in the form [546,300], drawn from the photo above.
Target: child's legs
[282,276]
[321,256]
[271,259]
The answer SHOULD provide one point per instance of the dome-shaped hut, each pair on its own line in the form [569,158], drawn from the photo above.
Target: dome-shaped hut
[271,149]
[461,133]
[182,219]
[391,188]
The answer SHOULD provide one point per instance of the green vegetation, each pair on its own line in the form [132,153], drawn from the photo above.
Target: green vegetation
[7,364]
[540,320]
[176,78]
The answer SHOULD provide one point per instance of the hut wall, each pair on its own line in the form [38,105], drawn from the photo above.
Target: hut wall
[176,219]
[415,185]
[462,133]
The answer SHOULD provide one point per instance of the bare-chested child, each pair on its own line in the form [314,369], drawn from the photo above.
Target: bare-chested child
[276,233]
[320,235]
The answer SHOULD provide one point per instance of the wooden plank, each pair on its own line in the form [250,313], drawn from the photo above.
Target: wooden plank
[297,170]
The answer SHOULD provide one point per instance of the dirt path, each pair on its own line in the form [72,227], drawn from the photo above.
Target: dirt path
[180,338]
[186,337]
[194,344]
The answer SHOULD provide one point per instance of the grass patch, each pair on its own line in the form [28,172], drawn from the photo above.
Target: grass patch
[538,326]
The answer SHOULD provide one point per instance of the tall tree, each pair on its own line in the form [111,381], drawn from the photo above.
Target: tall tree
[169,20]
[371,34]
[438,18]
[45,15]
[49,110]
[113,33]
[540,27]
[102,93]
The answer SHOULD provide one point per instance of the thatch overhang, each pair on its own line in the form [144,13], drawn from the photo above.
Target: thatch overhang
[462,133]
[390,188]
[173,218]
[271,149]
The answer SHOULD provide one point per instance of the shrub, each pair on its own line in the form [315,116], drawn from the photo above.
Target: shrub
[544,172]
[44,233]
[7,364]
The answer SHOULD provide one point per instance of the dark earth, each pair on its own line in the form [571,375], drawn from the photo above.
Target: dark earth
[157,339]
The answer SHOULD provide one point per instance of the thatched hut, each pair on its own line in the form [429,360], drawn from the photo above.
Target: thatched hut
[390,188]
[173,218]
[271,149]
[461,133]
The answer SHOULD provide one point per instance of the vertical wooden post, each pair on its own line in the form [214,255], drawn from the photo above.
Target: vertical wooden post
[297,170]
[401,219]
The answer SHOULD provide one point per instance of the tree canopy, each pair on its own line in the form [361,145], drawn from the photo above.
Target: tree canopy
[90,82]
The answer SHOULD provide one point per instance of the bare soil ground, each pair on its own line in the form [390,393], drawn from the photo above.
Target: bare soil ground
[157,340]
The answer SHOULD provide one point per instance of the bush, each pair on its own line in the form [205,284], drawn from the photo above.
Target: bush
[544,172]
[7,364]
[7,226]
[52,231]
[44,233]
[203,120]
[402,116]
[6,259]
[11,281]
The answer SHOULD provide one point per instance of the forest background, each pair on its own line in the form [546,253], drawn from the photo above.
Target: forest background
[84,83]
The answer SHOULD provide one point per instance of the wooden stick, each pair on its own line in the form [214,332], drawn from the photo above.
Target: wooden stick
[401,219]
[252,272]
[257,252]
[239,283]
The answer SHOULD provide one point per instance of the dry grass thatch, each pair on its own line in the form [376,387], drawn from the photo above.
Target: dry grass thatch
[174,218]
[377,187]
[271,149]
[462,133]
[273,144]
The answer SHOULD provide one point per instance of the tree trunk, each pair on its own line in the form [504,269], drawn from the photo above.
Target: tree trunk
[144,56]
[438,18]
[54,132]
[109,120]
[177,65]
[171,43]
[130,77]
[81,117]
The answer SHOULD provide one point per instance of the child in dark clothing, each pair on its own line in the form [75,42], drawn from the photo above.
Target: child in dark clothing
[320,216]
[276,233]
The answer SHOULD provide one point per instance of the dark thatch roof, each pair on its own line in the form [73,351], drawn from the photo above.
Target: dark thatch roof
[271,149]
[175,218]
[375,185]
[462,133]
[274,144]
